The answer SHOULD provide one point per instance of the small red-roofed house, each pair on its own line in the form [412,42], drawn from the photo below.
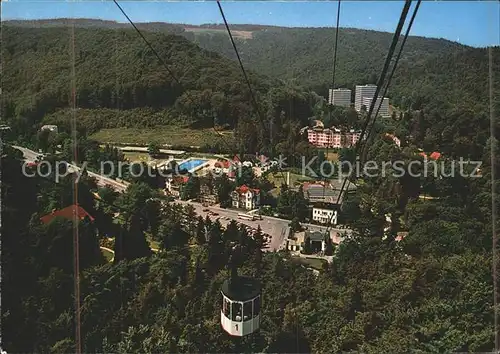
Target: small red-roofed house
[236,159]
[173,184]
[435,155]
[222,165]
[394,138]
[401,235]
[67,213]
[245,197]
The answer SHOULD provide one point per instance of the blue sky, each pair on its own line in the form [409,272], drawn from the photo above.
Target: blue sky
[474,23]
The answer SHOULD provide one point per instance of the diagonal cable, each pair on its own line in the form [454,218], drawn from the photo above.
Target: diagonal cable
[333,80]
[397,33]
[254,101]
[164,63]
[148,44]
[393,70]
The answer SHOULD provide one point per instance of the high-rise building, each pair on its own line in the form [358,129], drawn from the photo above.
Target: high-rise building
[339,97]
[384,108]
[363,91]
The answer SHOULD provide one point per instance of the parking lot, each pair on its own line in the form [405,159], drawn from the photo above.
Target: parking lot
[274,227]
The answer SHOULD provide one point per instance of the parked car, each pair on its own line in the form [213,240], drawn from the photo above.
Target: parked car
[205,210]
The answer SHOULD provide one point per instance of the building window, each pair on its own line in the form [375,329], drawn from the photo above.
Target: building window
[256,306]
[226,307]
[236,311]
[247,310]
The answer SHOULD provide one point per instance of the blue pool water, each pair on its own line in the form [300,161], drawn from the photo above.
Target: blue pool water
[193,163]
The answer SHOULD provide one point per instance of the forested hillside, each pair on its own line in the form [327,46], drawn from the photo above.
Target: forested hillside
[430,71]
[303,54]
[116,71]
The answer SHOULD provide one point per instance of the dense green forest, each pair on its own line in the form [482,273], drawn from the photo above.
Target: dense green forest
[120,83]
[305,55]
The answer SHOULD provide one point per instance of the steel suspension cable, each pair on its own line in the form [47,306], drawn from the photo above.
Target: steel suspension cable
[162,62]
[395,38]
[148,44]
[254,101]
[333,80]
[410,24]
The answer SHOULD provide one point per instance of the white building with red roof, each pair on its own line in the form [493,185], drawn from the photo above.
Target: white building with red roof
[245,197]
[174,183]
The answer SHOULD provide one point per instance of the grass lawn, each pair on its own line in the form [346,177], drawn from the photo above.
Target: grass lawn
[278,178]
[331,156]
[136,156]
[154,244]
[108,255]
[171,135]
[315,263]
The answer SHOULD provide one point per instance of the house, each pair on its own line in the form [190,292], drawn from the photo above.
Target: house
[49,127]
[67,213]
[318,241]
[173,184]
[326,192]
[351,138]
[222,166]
[401,235]
[236,160]
[207,196]
[333,137]
[433,156]
[324,215]
[394,138]
[244,197]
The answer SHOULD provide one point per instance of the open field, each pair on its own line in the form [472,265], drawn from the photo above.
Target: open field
[315,263]
[331,155]
[279,178]
[163,135]
[136,156]
[236,34]
[107,254]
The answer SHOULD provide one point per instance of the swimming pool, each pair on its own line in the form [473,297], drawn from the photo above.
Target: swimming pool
[191,164]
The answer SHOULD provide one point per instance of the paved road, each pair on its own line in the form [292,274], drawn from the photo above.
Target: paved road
[102,181]
[275,227]
[145,149]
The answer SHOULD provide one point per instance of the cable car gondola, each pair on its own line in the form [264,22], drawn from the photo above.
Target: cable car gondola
[241,302]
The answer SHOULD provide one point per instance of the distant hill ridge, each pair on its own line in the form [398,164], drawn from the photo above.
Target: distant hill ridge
[431,70]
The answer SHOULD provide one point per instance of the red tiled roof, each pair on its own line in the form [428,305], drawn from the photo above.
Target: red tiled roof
[243,189]
[401,235]
[435,155]
[67,213]
[223,163]
[180,179]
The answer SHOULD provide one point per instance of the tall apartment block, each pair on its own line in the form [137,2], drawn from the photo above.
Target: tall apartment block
[339,97]
[384,108]
[363,91]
